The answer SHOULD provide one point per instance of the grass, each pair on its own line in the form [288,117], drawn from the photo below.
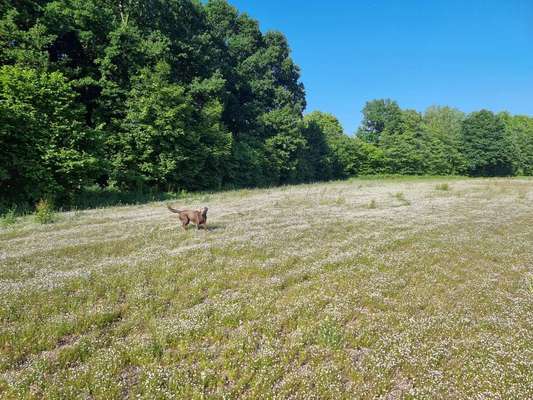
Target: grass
[303,291]
[442,186]
[400,196]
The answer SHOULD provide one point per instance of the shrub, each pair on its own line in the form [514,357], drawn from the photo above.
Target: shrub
[9,218]
[44,212]
[341,200]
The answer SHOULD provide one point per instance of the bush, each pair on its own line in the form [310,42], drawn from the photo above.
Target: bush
[44,212]
[9,218]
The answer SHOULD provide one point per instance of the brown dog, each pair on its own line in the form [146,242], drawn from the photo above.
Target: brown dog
[197,217]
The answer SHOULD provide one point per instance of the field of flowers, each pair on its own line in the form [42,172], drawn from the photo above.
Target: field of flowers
[371,289]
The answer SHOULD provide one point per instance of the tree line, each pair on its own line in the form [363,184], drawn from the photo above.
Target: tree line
[168,95]
[443,141]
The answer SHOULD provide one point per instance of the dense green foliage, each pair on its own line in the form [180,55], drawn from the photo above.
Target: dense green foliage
[45,147]
[168,95]
[444,141]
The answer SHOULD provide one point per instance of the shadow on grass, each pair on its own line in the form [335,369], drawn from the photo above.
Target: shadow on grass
[215,227]
[193,228]
[95,197]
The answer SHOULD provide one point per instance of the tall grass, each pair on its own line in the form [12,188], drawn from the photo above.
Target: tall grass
[401,198]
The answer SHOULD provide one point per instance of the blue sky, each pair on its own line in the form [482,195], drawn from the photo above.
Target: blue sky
[469,54]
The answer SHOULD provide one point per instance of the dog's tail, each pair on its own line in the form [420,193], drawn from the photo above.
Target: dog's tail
[173,209]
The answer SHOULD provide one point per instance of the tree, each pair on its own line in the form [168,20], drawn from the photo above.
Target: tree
[404,153]
[404,148]
[285,145]
[365,158]
[441,127]
[487,147]
[171,138]
[328,154]
[519,129]
[264,99]
[45,149]
[24,47]
[379,116]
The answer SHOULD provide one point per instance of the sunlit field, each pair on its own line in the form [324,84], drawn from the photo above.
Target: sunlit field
[390,289]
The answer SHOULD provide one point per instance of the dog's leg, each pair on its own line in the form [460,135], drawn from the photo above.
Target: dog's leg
[184,222]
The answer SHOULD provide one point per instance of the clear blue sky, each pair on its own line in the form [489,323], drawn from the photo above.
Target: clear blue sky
[470,54]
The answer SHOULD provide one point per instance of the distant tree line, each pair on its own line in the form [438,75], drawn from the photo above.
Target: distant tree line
[169,95]
[443,141]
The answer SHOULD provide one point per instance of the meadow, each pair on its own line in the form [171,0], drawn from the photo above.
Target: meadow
[368,288]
